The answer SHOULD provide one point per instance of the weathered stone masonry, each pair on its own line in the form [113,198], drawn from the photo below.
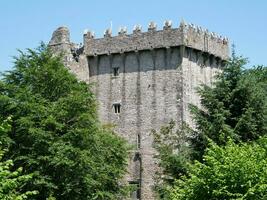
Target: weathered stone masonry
[143,80]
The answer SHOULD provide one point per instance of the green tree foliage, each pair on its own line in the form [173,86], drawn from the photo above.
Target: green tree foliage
[11,181]
[235,107]
[55,132]
[234,171]
[5,127]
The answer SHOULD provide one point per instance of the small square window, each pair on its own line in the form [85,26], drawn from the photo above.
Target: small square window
[117,107]
[116,71]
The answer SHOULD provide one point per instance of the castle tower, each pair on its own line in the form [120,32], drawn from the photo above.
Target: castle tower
[142,81]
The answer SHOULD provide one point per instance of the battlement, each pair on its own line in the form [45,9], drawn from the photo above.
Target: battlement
[187,35]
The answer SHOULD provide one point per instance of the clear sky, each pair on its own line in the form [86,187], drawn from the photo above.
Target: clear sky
[25,23]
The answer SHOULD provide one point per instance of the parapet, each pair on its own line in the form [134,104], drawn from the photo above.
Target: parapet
[187,35]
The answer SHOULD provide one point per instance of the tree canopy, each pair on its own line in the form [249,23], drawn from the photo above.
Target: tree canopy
[55,132]
[234,171]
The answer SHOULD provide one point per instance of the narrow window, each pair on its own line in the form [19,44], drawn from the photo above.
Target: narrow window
[138,141]
[117,107]
[136,191]
[116,71]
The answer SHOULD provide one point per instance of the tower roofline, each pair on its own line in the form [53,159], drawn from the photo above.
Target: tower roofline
[185,35]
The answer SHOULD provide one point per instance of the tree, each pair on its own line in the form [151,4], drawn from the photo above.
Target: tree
[56,133]
[235,107]
[11,181]
[234,171]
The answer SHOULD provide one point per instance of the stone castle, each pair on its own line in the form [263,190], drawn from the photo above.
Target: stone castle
[144,80]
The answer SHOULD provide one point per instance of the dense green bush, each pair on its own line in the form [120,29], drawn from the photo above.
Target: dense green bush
[230,172]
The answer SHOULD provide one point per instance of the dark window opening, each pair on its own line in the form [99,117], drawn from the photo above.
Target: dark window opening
[137,166]
[136,190]
[138,141]
[117,107]
[116,71]
[91,66]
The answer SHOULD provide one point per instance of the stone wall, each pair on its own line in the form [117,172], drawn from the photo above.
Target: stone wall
[147,87]
[197,69]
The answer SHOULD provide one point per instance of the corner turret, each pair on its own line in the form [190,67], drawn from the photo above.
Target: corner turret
[72,53]
[60,41]
[60,36]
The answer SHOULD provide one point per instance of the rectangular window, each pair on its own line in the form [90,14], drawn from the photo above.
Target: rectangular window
[138,141]
[117,107]
[116,71]
[136,192]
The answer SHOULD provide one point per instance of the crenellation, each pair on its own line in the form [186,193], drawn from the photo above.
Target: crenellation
[186,34]
[89,34]
[108,33]
[167,25]
[122,31]
[137,29]
[152,26]
[85,31]
[199,29]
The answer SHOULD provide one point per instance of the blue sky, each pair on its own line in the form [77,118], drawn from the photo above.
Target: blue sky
[25,23]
